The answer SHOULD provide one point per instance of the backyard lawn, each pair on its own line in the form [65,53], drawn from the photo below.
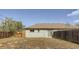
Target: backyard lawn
[35,43]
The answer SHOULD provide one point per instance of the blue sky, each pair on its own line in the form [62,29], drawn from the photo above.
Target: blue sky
[33,16]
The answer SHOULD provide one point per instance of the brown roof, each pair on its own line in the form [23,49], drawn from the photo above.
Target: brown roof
[51,26]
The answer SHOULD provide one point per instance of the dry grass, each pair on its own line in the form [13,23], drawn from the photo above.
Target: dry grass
[35,43]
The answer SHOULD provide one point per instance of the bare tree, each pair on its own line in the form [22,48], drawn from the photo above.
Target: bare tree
[8,24]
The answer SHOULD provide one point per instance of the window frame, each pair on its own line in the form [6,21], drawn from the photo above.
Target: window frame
[31,30]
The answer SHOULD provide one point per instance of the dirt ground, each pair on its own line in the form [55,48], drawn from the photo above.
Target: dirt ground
[36,43]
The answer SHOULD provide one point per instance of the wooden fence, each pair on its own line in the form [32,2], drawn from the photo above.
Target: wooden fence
[69,35]
[5,34]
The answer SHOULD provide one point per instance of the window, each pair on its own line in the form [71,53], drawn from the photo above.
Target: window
[50,33]
[38,30]
[31,30]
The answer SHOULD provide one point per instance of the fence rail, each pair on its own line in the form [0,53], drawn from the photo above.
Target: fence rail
[69,35]
[5,34]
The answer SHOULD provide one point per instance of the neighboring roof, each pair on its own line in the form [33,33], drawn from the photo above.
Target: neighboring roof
[52,26]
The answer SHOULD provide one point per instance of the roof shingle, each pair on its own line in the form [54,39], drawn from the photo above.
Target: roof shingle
[51,26]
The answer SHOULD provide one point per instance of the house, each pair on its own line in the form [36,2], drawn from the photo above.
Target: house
[46,30]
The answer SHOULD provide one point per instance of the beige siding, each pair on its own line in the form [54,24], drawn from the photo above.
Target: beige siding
[41,33]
